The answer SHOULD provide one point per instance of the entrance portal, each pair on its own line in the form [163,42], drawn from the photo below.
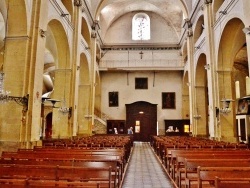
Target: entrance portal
[142,116]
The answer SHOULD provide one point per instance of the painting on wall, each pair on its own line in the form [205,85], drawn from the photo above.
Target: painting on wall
[113,99]
[168,100]
[243,106]
[141,83]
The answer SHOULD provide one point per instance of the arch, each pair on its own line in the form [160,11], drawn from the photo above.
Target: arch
[61,45]
[231,41]
[182,3]
[216,5]
[171,7]
[198,28]
[185,97]
[68,5]
[48,127]
[201,97]
[85,31]
[84,96]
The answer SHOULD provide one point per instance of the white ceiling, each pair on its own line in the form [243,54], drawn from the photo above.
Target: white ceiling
[171,10]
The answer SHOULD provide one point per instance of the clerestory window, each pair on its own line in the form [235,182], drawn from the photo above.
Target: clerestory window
[141,27]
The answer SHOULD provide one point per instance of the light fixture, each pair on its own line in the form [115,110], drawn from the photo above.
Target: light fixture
[224,12]
[53,101]
[225,106]
[246,30]
[207,66]
[5,97]
[42,33]
[197,116]
[64,14]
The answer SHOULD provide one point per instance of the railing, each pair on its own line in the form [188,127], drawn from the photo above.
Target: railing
[172,64]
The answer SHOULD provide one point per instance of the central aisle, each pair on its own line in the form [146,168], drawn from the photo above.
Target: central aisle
[144,169]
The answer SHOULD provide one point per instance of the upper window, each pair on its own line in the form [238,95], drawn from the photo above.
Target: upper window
[141,27]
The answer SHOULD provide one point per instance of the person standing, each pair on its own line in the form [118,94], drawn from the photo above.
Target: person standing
[130,130]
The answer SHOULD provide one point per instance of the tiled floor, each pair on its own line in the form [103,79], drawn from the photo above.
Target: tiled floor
[144,169]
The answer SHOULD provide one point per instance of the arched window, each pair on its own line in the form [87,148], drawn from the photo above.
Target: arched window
[141,27]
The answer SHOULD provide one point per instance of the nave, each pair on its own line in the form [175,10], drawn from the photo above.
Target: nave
[144,169]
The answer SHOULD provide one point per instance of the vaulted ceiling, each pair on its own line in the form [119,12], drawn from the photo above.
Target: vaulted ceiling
[173,11]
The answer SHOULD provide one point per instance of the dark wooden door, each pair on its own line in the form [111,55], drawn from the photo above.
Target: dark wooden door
[142,116]
[48,128]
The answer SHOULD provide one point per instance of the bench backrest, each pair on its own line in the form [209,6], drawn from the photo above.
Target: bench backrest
[209,173]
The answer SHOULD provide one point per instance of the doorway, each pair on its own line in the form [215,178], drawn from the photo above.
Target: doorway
[142,116]
[48,127]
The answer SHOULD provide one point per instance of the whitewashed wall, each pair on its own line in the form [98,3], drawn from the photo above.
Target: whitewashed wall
[124,83]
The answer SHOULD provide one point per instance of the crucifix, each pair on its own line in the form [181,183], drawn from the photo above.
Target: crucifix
[141,53]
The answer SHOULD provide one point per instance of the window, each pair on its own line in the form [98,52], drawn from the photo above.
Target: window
[141,27]
[141,83]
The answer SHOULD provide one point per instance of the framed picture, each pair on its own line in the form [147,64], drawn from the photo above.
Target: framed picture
[243,106]
[168,100]
[141,83]
[113,99]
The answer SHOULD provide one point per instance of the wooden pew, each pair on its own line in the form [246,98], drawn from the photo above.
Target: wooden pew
[116,171]
[57,173]
[29,183]
[182,154]
[206,175]
[189,173]
[13,183]
[232,182]
[179,163]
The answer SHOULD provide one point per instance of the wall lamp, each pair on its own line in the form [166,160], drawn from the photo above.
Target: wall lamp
[23,101]
[53,101]
[246,30]
[42,33]
[224,12]
[64,14]
[207,66]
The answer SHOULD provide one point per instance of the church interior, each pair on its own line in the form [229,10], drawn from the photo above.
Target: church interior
[127,74]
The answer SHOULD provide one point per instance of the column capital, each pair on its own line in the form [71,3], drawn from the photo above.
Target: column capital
[78,3]
[208,2]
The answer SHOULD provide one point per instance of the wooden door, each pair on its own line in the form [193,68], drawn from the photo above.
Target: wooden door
[142,116]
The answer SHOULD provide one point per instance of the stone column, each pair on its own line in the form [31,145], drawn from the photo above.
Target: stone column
[190,46]
[76,67]
[211,67]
